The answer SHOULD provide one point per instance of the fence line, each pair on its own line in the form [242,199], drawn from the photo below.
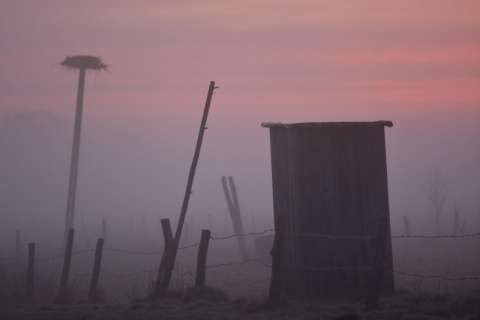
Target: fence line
[127,274]
[260,262]
[252,234]
[329,236]
[391,237]
[133,252]
[435,277]
[242,235]
[437,237]
[233,263]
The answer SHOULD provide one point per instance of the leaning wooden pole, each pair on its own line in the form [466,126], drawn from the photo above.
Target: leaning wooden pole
[234,208]
[170,261]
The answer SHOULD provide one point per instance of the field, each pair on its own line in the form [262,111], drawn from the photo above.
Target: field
[437,278]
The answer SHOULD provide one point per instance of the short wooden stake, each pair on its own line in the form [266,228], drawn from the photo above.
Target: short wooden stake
[167,262]
[376,272]
[67,259]
[30,270]
[202,259]
[92,292]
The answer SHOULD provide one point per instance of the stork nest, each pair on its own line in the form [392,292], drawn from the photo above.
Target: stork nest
[85,62]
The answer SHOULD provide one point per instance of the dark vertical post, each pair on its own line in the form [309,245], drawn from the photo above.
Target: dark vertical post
[30,270]
[277,252]
[67,260]
[163,277]
[202,259]
[376,272]
[92,296]
[72,186]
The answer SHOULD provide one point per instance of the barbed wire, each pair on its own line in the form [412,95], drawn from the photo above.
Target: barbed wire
[133,252]
[63,254]
[233,263]
[392,270]
[245,235]
[242,235]
[435,277]
[392,237]
[329,236]
[435,237]
[189,246]
[333,268]
[127,274]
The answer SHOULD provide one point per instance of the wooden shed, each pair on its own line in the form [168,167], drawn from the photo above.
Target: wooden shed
[330,187]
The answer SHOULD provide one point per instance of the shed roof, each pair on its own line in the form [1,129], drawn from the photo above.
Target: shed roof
[325,124]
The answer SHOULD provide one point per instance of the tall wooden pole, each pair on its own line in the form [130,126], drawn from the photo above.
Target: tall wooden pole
[82,63]
[72,186]
[193,167]
[168,260]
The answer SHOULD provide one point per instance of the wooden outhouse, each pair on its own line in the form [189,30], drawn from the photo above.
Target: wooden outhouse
[330,187]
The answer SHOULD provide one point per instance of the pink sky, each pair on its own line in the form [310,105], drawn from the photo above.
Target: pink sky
[414,62]
[310,59]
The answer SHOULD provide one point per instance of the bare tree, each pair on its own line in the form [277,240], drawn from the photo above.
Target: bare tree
[437,196]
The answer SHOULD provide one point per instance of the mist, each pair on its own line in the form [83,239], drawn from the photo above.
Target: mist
[133,172]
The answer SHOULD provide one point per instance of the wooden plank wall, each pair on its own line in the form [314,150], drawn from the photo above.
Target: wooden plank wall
[330,181]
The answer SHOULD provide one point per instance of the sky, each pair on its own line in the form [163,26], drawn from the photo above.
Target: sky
[414,62]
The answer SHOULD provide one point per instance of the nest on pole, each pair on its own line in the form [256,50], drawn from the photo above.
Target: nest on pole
[85,62]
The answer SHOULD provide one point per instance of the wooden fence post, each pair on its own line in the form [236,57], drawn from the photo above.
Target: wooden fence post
[376,272]
[202,259]
[92,292]
[63,295]
[30,270]
[277,282]
[167,263]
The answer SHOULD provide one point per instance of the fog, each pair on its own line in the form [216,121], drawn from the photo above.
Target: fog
[133,171]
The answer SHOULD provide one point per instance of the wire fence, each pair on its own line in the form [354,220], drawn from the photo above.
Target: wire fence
[256,261]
